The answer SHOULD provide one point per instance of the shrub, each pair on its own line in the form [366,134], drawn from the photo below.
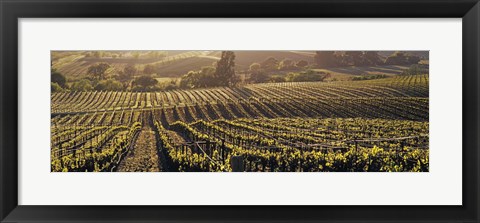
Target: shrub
[82,85]
[55,87]
[307,76]
[258,77]
[57,77]
[109,85]
[369,77]
[277,79]
[144,83]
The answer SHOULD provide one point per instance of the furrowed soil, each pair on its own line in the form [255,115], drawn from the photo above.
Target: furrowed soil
[143,157]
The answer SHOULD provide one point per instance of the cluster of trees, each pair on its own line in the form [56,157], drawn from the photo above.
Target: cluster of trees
[223,74]
[100,79]
[149,69]
[303,76]
[369,77]
[400,58]
[260,72]
[98,70]
[57,81]
[145,83]
[416,69]
[125,79]
[307,76]
[199,79]
[272,64]
[326,59]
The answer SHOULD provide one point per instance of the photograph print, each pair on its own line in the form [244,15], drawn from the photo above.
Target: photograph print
[239,111]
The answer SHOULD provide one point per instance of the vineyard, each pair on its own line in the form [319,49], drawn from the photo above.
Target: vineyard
[373,125]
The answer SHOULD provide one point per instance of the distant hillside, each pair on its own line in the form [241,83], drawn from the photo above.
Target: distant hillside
[243,59]
[74,64]
[421,54]
[181,67]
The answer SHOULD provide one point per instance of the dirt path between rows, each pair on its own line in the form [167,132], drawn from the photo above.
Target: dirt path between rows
[143,157]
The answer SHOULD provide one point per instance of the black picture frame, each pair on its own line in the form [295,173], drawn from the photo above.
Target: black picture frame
[12,10]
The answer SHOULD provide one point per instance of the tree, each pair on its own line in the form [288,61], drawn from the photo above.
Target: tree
[149,69]
[258,77]
[286,64]
[168,85]
[301,64]
[109,85]
[270,64]
[82,85]
[277,79]
[205,78]
[126,75]
[225,71]
[401,58]
[291,76]
[144,83]
[55,87]
[324,59]
[57,77]
[98,70]
[257,74]
[130,70]
[307,76]
[199,79]
[186,80]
